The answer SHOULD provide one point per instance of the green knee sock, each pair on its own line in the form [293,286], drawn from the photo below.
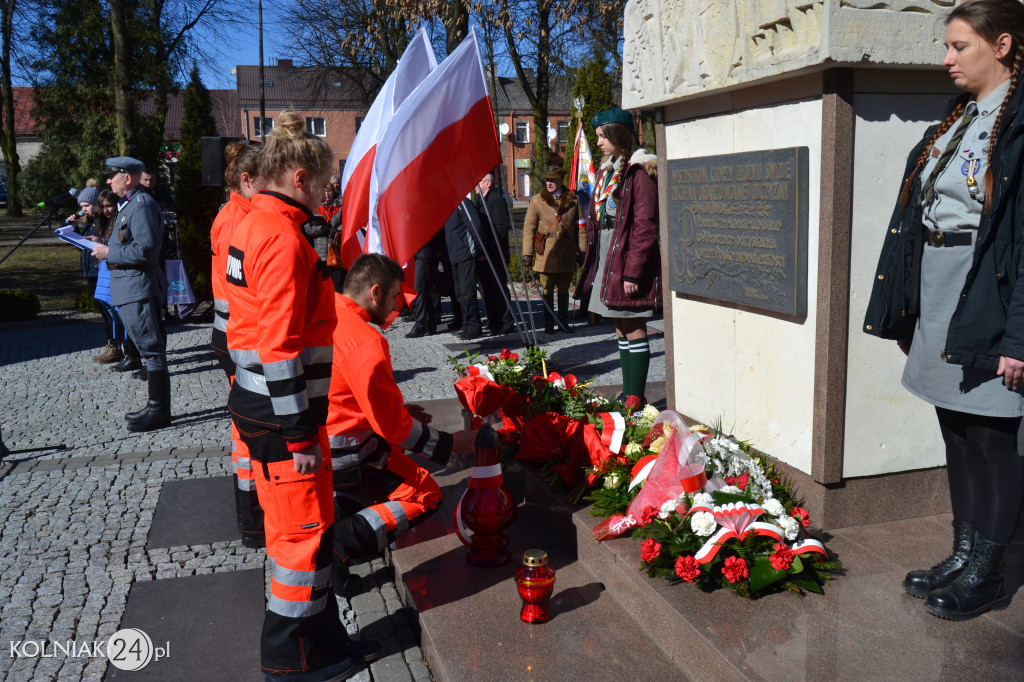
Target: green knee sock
[624,360]
[639,362]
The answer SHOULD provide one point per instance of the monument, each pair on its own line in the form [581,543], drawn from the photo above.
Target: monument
[783,128]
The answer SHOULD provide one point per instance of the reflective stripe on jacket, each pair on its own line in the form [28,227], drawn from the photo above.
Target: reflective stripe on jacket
[224,225]
[282,319]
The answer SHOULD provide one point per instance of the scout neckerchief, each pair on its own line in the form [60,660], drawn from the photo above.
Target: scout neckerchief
[605,184]
[948,153]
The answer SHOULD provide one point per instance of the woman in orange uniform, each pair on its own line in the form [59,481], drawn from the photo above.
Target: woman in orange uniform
[241,175]
[279,336]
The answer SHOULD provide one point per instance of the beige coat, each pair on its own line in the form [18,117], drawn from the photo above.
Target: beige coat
[560,222]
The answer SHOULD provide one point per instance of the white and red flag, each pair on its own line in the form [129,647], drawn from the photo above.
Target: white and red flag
[438,145]
[415,64]
[582,175]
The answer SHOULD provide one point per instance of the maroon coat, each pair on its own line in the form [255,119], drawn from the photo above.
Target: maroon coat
[633,255]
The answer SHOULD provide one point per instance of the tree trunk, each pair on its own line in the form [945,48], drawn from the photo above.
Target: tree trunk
[456,23]
[124,105]
[10,141]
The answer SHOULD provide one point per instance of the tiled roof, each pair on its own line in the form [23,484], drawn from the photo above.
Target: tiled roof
[301,87]
[511,97]
[224,104]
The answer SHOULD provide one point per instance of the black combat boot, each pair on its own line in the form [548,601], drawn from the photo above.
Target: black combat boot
[978,588]
[920,583]
[563,311]
[549,318]
[157,412]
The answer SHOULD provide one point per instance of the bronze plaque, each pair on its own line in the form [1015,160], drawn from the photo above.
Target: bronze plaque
[737,228]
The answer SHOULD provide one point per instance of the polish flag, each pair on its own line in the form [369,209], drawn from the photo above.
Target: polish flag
[439,144]
[416,63]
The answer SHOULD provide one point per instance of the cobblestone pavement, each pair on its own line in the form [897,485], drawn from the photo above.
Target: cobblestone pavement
[75,522]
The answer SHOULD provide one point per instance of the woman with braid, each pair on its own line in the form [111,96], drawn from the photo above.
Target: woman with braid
[946,291]
[621,274]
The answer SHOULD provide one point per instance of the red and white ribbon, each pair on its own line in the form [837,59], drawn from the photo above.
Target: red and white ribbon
[613,431]
[735,520]
[486,476]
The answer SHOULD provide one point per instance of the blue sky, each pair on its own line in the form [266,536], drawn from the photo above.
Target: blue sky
[238,43]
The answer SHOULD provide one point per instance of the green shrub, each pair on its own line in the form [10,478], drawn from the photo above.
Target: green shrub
[17,305]
[85,302]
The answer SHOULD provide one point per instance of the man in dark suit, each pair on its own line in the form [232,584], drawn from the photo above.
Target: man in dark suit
[138,284]
[494,238]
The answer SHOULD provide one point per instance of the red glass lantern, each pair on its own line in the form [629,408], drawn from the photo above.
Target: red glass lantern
[536,581]
[487,507]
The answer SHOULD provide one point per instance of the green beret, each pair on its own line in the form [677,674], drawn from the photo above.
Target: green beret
[613,115]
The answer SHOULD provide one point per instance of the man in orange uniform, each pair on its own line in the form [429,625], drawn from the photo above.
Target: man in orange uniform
[379,491]
[241,175]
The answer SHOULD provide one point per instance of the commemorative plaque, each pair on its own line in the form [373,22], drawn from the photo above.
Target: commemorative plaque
[737,228]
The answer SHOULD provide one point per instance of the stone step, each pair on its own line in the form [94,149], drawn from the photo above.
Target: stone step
[469,616]
[607,612]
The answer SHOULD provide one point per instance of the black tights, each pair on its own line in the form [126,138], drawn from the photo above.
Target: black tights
[986,481]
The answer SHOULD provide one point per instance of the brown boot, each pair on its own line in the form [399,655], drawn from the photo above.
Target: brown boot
[110,354]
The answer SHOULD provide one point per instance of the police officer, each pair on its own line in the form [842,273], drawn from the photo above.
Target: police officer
[138,284]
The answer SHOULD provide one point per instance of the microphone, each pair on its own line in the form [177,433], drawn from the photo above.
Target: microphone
[58,199]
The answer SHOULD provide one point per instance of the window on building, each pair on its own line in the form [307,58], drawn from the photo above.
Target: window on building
[316,126]
[257,129]
[359,123]
[522,132]
[563,133]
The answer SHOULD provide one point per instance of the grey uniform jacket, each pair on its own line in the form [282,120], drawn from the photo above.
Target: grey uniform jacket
[135,244]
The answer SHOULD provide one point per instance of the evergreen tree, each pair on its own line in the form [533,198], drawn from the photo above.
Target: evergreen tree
[594,86]
[197,205]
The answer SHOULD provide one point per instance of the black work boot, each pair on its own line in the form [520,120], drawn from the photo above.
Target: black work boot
[549,319]
[979,587]
[920,583]
[157,412]
[129,363]
[345,584]
[563,311]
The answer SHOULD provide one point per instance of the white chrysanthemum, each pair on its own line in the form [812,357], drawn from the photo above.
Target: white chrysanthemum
[666,509]
[703,498]
[612,481]
[633,449]
[732,490]
[559,384]
[789,526]
[650,413]
[703,524]
[773,507]
[518,368]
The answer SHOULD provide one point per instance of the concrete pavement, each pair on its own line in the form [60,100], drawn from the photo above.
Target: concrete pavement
[74,542]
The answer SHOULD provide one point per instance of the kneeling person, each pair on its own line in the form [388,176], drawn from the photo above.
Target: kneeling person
[379,492]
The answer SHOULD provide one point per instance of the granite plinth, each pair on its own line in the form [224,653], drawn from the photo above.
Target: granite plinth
[863,627]
[469,617]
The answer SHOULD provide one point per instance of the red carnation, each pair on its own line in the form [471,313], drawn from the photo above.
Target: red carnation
[801,515]
[782,557]
[505,354]
[514,356]
[492,358]
[649,549]
[632,403]
[648,515]
[738,481]
[735,569]
[687,568]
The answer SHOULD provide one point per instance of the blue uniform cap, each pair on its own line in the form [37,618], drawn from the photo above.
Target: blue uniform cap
[123,164]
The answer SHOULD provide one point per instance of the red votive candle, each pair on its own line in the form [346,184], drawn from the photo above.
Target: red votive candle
[535,581]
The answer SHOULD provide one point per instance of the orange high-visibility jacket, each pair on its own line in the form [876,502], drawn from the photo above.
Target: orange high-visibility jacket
[228,218]
[282,320]
[365,399]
